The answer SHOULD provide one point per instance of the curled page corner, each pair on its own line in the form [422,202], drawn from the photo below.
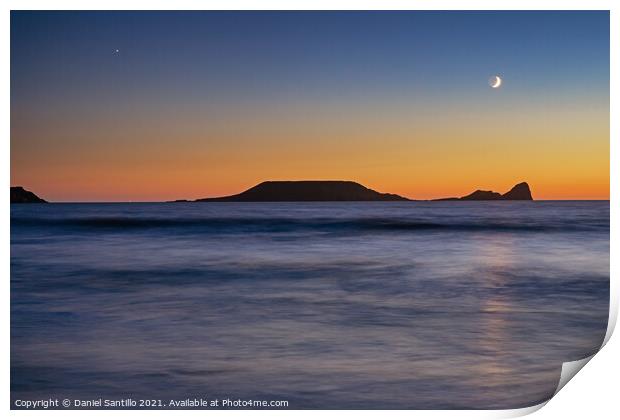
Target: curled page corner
[520,412]
[613,316]
[570,369]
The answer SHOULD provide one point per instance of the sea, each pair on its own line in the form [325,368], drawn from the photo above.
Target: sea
[350,305]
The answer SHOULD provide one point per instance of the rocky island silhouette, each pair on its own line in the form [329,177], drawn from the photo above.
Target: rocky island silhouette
[309,191]
[521,191]
[20,195]
[274,191]
[348,191]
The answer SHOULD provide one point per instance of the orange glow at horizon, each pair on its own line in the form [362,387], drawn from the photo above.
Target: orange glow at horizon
[563,154]
[398,101]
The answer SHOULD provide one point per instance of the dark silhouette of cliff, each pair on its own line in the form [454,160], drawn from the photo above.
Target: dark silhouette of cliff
[520,191]
[20,195]
[482,195]
[309,191]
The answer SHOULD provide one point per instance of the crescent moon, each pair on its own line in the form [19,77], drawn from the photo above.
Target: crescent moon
[497,83]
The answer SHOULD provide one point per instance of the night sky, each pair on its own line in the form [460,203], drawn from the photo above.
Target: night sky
[198,104]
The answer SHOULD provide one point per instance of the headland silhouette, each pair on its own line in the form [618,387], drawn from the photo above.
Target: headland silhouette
[291,191]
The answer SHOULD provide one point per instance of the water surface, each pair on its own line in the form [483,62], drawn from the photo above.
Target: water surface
[424,305]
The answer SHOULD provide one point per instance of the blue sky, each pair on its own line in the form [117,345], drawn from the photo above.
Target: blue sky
[175,70]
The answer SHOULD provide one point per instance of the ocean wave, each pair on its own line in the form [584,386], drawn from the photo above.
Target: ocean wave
[293,224]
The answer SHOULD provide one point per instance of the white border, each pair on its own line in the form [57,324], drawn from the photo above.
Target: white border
[598,381]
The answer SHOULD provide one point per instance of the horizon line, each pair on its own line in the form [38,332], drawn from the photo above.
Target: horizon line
[325,201]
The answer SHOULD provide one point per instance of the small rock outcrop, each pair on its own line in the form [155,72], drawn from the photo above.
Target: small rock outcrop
[20,195]
[520,191]
[482,195]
